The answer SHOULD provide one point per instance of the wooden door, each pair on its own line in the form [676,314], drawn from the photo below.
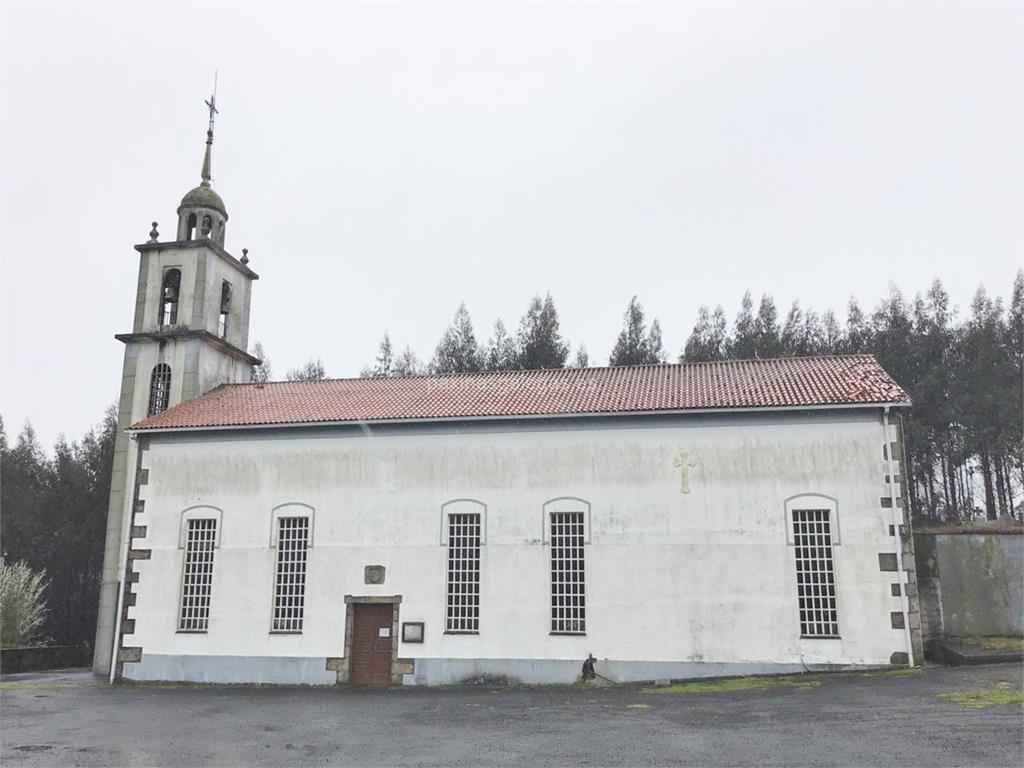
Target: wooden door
[371,644]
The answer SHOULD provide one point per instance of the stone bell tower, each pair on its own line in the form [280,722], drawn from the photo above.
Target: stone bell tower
[190,334]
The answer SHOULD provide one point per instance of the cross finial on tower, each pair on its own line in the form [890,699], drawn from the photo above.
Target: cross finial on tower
[211,103]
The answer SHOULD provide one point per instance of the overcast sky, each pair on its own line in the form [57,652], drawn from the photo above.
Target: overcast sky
[383,162]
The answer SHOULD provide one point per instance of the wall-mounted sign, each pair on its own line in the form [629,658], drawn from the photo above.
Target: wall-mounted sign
[384,632]
[412,632]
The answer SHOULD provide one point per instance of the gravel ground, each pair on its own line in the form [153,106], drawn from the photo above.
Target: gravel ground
[70,718]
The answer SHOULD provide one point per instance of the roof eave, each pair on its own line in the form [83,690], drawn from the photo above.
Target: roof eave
[134,430]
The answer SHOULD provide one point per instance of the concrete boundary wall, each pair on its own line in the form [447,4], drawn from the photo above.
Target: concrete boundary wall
[971,583]
[32,659]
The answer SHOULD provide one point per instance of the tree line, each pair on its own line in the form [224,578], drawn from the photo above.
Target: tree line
[964,374]
[54,521]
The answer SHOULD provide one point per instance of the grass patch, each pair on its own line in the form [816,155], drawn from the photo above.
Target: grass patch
[1002,695]
[128,685]
[29,686]
[736,684]
[1009,644]
[901,672]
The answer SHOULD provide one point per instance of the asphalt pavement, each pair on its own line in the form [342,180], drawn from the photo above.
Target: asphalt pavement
[935,717]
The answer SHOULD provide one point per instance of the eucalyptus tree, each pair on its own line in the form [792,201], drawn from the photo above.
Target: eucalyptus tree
[539,341]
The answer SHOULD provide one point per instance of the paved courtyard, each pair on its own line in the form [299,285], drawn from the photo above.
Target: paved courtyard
[941,716]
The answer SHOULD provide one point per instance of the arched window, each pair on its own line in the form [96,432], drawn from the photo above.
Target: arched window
[159,388]
[292,535]
[190,226]
[199,536]
[463,530]
[812,521]
[567,530]
[169,297]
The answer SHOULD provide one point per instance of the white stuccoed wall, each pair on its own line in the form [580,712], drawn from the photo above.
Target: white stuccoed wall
[706,576]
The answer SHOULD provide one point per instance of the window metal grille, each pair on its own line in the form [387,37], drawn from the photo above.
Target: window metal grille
[463,573]
[290,585]
[198,576]
[568,596]
[159,388]
[815,575]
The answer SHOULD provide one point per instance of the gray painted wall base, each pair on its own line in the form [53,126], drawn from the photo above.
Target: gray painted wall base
[550,671]
[280,670]
[293,670]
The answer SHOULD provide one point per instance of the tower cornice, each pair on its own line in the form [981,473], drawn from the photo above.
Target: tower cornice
[202,243]
[183,334]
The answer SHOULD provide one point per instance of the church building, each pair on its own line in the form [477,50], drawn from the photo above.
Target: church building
[672,521]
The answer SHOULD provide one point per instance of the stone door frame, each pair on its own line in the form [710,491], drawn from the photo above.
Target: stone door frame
[343,664]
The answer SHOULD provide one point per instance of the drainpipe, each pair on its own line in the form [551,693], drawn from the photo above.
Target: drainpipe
[122,572]
[117,626]
[897,526]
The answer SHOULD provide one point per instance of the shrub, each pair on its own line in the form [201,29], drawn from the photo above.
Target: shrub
[22,606]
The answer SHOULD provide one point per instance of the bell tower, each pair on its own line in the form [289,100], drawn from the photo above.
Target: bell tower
[190,334]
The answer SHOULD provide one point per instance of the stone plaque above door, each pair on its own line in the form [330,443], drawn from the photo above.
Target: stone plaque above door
[374,574]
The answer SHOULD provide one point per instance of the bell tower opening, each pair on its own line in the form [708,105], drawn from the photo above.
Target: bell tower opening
[225,309]
[169,293]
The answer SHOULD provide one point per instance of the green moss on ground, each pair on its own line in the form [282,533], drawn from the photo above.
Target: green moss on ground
[1002,694]
[736,684]
[1010,644]
[33,686]
[898,672]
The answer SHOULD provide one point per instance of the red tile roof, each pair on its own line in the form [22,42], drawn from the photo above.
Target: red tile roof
[740,384]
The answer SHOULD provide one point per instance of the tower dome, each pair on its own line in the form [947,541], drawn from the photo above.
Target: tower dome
[204,196]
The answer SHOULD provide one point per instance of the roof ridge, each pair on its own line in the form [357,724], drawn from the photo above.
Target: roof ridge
[565,369]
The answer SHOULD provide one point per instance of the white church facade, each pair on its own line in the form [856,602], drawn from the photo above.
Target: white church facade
[672,521]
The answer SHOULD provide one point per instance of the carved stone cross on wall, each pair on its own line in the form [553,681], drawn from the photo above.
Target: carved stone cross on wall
[683,464]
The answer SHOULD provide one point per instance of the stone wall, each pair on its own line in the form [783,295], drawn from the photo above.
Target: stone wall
[971,583]
[13,660]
